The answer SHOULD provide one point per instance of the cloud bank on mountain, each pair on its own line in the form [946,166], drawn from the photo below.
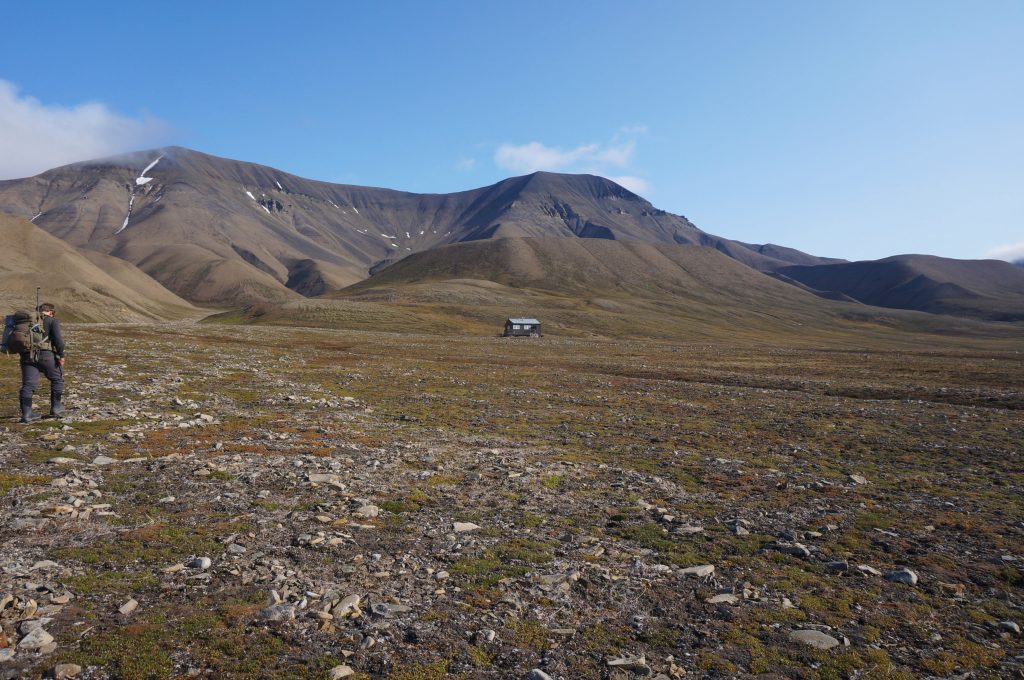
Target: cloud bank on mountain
[35,136]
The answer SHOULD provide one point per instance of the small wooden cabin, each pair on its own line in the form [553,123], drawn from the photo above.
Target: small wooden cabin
[529,328]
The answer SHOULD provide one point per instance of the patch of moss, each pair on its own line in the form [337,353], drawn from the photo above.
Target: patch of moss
[10,480]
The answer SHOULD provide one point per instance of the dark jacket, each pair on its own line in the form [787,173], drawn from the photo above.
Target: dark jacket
[51,328]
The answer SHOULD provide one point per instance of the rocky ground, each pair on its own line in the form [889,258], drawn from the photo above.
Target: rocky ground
[251,502]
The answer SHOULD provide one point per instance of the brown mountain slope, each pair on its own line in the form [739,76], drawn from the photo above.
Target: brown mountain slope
[983,289]
[591,266]
[583,287]
[222,231]
[85,286]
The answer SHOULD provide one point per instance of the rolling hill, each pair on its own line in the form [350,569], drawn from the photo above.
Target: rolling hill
[982,289]
[85,286]
[595,287]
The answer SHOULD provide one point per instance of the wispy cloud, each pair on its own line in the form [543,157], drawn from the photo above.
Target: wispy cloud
[637,185]
[465,164]
[606,159]
[1011,253]
[35,136]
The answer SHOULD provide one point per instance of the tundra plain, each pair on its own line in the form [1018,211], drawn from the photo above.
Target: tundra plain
[250,502]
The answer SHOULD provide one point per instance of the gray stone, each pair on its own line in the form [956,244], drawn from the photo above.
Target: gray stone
[866,569]
[838,567]
[278,612]
[66,670]
[857,479]
[723,598]
[321,478]
[35,640]
[633,664]
[200,563]
[368,511]
[902,576]
[814,638]
[235,549]
[701,571]
[129,607]
[794,549]
[100,461]
[389,610]
[1009,627]
[6,654]
[688,530]
[339,672]
[538,674]
[29,625]
[463,527]
[348,606]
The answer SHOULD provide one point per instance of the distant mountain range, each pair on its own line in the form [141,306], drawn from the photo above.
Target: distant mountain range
[224,233]
[984,289]
[218,231]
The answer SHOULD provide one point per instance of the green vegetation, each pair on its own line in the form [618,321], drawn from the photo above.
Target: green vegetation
[11,480]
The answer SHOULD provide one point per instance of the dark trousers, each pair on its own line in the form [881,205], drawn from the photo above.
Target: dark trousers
[45,363]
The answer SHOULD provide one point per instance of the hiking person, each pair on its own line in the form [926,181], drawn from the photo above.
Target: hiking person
[46,357]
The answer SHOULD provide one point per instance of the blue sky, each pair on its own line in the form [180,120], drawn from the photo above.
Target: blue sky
[855,129]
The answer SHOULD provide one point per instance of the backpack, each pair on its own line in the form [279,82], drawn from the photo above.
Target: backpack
[19,335]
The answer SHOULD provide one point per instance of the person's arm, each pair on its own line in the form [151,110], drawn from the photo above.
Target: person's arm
[57,339]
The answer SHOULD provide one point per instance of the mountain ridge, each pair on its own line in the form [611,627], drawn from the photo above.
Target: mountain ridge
[216,230]
[985,289]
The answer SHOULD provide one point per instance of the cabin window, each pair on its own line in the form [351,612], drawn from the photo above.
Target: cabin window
[517,327]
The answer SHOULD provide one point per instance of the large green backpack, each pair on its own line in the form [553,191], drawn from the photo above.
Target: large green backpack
[20,335]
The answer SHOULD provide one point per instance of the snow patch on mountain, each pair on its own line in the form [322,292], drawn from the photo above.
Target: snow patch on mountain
[142,179]
[131,202]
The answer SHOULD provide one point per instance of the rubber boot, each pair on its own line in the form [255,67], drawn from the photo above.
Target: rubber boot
[56,408]
[27,416]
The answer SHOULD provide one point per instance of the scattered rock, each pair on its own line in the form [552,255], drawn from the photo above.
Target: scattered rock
[35,640]
[66,670]
[794,549]
[814,638]
[902,576]
[278,612]
[632,664]
[463,527]
[389,610]
[701,571]
[339,672]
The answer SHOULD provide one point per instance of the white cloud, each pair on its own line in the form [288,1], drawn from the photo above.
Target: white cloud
[465,164]
[1011,253]
[637,185]
[35,136]
[606,160]
[536,156]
